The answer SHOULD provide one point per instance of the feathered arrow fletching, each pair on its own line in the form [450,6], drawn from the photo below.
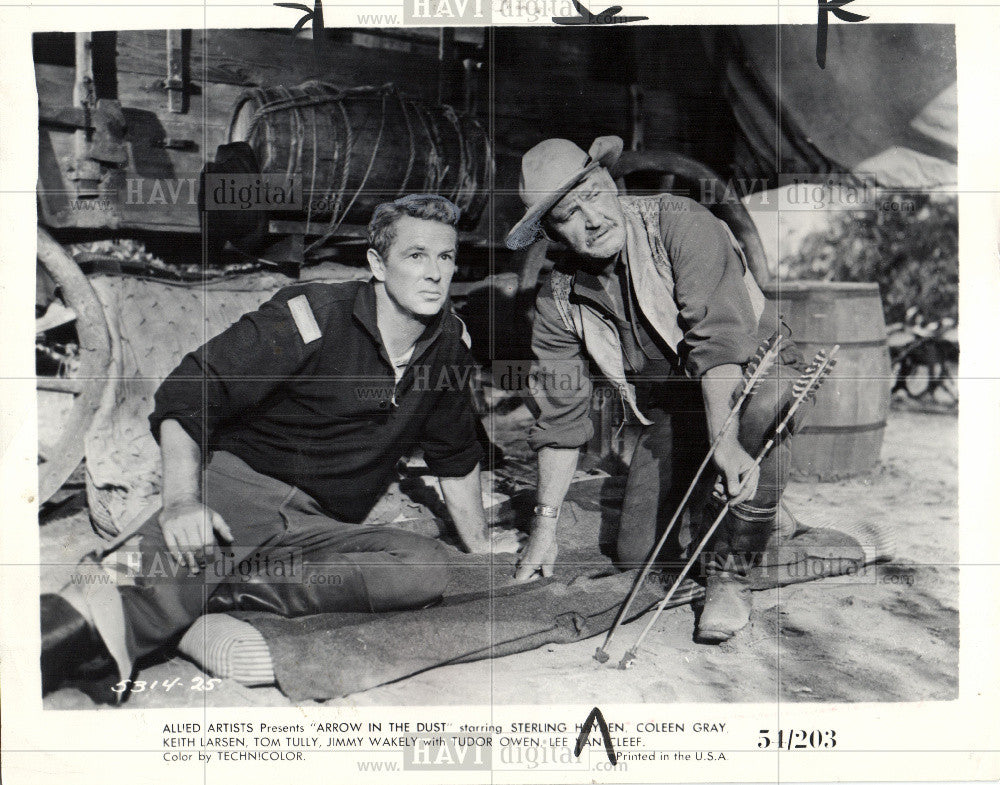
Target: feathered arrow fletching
[811,395]
[760,363]
[808,384]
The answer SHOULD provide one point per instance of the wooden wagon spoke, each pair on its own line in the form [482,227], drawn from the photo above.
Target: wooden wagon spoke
[56,315]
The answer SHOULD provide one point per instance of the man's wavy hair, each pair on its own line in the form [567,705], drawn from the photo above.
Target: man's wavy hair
[429,207]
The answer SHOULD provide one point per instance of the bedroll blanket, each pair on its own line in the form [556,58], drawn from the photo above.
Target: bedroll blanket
[485,615]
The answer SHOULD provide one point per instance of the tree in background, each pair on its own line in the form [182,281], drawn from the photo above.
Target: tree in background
[908,245]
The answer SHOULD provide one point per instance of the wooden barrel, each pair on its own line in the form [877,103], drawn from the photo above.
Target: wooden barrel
[358,147]
[841,435]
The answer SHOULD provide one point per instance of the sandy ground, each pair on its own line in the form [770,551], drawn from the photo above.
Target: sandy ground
[891,635]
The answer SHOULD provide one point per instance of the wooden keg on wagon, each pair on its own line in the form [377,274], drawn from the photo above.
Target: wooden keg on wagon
[842,434]
[355,148]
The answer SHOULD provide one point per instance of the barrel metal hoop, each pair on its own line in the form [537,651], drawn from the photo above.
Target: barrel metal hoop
[862,428]
[845,344]
[779,293]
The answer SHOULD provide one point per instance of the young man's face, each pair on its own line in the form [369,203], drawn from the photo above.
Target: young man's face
[418,266]
[589,218]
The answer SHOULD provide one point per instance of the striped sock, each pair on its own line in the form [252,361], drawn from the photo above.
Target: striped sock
[229,649]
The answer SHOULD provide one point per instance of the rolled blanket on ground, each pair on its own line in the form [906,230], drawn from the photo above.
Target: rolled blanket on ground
[823,552]
[317,658]
[333,655]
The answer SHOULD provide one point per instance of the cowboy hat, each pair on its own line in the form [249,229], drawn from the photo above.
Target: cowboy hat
[548,171]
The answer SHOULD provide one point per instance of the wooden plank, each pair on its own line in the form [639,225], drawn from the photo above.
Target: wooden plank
[65,117]
[57,193]
[176,84]
[257,57]
[54,84]
[552,106]
[53,187]
[540,50]
[60,385]
[141,91]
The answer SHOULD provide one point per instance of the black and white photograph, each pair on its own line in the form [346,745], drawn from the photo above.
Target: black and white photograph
[588,360]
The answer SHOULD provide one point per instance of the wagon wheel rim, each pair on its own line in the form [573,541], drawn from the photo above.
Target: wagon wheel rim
[82,306]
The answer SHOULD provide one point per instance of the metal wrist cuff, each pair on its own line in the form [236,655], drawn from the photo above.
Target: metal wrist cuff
[546,511]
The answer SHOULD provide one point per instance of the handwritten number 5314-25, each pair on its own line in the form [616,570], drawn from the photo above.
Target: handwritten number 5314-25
[198,684]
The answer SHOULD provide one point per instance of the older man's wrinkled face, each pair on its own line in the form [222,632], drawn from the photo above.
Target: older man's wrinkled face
[589,218]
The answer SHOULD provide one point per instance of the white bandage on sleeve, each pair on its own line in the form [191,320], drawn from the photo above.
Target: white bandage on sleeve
[304,319]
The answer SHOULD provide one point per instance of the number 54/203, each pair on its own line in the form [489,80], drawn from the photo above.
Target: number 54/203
[797,739]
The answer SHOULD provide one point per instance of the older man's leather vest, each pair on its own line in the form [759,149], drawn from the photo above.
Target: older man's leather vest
[652,275]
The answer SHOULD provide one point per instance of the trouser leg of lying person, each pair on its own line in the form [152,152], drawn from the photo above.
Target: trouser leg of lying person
[163,598]
[338,567]
[396,570]
[741,541]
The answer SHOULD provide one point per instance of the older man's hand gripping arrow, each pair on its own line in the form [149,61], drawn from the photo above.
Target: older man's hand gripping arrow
[757,368]
[805,388]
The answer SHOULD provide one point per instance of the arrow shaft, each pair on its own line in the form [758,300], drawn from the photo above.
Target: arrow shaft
[766,360]
[782,426]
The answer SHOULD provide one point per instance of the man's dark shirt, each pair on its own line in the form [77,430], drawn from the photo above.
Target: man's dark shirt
[327,416]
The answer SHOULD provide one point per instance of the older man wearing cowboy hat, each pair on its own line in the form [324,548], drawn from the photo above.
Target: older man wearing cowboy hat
[654,291]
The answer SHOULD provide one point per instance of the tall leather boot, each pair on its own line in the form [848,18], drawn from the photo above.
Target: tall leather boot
[736,547]
[74,654]
[302,597]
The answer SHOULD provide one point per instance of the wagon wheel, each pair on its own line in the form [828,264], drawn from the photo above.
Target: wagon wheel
[70,303]
[658,171]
